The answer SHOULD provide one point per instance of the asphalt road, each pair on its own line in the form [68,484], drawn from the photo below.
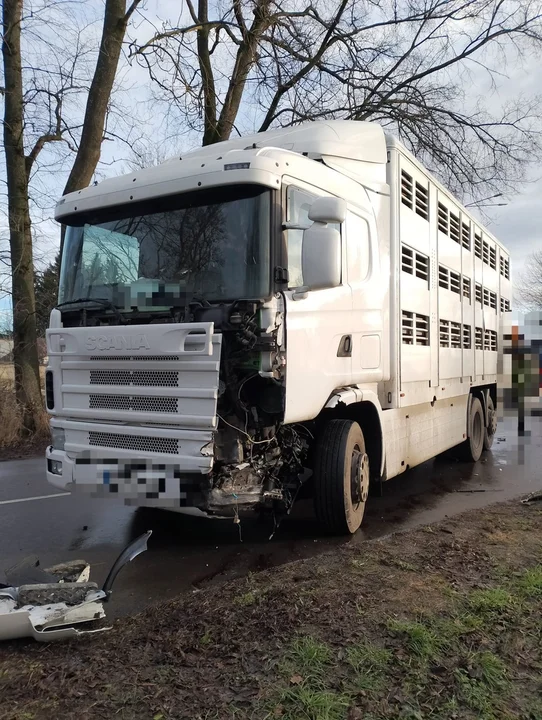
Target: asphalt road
[186,554]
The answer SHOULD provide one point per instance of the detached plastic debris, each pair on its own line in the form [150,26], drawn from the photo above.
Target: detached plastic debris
[49,603]
[535,496]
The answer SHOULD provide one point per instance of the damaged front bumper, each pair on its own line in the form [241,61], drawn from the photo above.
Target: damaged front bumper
[50,611]
[159,483]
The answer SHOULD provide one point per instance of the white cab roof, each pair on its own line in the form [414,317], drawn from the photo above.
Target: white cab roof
[335,138]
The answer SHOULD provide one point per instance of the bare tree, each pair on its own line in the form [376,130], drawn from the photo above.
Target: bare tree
[408,64]
[19,166]
[116,19]
[40,113]
[529,285]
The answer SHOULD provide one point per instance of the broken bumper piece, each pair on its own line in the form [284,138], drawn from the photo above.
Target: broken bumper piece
[48,622]
[50,611]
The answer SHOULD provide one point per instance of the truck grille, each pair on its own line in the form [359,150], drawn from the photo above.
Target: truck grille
[169,446]
[145,378]
[135,403]
[146,358]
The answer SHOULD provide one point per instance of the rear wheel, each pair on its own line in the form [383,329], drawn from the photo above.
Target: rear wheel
[491,427]
[341,477]
[474,444]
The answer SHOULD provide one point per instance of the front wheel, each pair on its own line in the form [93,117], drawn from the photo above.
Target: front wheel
[341,477]
[491,427]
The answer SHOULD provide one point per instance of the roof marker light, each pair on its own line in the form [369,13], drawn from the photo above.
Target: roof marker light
[237,166]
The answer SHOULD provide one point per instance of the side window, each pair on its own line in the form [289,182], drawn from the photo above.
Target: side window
[298,206]
[297,212]
[357,248]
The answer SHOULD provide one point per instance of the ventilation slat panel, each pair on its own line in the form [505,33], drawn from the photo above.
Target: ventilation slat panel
[407,260]
[492,258]
[466,337]
[478,245]
[443,218]
[465,235]
[455,335]
[414,263]
[444,277]
[422,201]
[407,327]
[444,333]
[407,193]
[485,252]
[422,330]
[504,267]
[414,328]
[455,282]
[422,267]
[454,228]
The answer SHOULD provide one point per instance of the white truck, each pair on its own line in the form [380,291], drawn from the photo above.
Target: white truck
[308,302]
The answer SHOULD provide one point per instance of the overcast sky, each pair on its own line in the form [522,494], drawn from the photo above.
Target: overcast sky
[518,224]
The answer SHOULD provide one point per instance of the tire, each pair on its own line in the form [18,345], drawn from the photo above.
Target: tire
[339,503]
[473,446]
[491,427]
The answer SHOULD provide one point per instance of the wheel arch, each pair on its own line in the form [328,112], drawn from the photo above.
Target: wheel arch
[363,407]
[482,392]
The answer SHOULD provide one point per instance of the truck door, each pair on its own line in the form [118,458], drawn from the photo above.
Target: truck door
[369,296]
[318,323]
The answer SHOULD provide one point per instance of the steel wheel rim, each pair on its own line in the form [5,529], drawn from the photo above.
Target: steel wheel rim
[477,428]
[492,423]
[359,477]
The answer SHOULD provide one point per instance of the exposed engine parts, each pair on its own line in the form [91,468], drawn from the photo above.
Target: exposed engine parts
[266,477]
[258,462]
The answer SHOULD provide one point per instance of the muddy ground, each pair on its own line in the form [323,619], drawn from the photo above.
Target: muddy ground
[441,622]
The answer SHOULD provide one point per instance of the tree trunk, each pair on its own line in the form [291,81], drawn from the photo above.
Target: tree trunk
[244,61]
[25,352]
[88,154]
[207,79]
[116,20]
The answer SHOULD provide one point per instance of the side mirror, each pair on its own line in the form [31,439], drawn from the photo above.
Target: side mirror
[321,256]
[326,210]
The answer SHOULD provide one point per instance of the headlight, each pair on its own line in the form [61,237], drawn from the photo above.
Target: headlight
[55,467]
[58,438]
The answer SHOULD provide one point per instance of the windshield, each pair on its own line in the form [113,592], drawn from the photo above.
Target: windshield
[213,245]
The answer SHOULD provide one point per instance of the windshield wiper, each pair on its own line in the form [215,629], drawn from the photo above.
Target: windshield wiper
[98,301]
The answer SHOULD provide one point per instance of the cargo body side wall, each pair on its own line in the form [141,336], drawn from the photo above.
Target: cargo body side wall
[450,281]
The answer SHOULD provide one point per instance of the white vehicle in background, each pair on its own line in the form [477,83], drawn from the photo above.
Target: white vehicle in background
[304,298]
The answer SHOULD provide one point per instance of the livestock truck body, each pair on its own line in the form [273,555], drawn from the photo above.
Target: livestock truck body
[303,303]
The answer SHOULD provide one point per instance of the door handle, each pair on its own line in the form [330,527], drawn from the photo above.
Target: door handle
[345,346]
